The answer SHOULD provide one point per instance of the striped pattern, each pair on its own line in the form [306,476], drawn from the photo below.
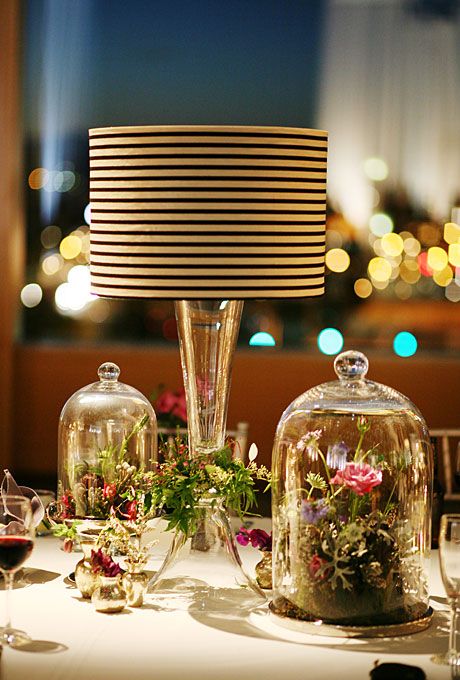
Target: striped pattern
[199,212]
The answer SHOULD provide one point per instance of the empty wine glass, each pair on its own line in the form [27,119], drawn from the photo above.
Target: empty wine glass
[16,542]
[449,560]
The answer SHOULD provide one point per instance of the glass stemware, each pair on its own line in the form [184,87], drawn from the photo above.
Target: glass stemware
[449,560]
[16,542]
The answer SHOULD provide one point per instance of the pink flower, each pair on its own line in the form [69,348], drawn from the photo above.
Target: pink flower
[359,477]
[166,402]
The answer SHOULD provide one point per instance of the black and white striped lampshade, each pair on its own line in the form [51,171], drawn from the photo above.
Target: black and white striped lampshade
[193,212]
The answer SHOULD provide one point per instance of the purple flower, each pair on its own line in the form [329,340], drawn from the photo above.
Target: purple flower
[242,536]
[312,512]
[257,537]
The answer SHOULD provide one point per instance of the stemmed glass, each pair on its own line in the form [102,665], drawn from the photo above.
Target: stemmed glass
[449,560]
[17,533]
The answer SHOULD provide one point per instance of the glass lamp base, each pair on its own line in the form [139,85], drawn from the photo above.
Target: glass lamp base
[204,571]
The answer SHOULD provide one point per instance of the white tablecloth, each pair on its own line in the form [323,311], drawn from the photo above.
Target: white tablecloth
[76,642]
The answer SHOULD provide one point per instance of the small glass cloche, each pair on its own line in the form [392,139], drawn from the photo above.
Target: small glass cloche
[352,488]
[107,435]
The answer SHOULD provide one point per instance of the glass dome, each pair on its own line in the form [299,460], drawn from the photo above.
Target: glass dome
[352,491]
[107,435]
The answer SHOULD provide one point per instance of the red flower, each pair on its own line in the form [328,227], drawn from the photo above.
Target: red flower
[101,563]
[68,506]
[109,491]
[130,510]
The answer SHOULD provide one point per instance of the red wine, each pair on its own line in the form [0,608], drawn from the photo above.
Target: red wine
[14,550]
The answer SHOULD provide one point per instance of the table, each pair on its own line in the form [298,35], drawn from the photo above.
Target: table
[74,642]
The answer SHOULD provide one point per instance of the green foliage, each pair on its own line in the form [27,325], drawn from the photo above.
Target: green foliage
[182,481]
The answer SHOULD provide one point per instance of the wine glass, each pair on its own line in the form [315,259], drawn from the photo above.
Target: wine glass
[16,542]
[449,560]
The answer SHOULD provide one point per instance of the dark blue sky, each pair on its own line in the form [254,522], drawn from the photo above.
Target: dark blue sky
[176,61]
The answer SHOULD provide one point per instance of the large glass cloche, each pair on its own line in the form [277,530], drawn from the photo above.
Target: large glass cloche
[352,488]
[107,437]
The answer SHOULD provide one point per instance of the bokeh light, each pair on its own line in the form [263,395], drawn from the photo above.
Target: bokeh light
[412,246]
[380,224]
[379,269]
[392,244]
[454,254]
[428,234]
[451,232]
[437,258]
[330,341]
[453,292]
[38,178]
[87,214]
[443,277]
[376,169]
[70,247]
[31,295]
[337,260]
[50,236]
[405,344]
[363,288]
[403,290]
[409,271]
[423,266]
[51,264]
[262,339]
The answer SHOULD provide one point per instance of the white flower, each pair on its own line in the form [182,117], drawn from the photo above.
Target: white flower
[253,452]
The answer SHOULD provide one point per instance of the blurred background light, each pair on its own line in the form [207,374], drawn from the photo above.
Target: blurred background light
[376,169]
[70,247]
[443,277]
[38,178]
[51,264]
[451,232]
[412,246]
[330,341]
[363,288]
[405,344]
[87,214]
[454,254]
[380,224]
[337,260]
[437,258]
[31,295]
[50,236]
[379,269]
[392,244]
[262,339]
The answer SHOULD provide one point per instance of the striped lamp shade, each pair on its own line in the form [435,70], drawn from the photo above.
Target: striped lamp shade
[195,212]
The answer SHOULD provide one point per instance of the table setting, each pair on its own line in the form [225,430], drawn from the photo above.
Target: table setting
[176,573]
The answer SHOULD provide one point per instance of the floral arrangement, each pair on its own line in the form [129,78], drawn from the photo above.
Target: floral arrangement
[103,565]
[110,486]
[258,538]
[354,564]
[182,481]
[126,539]
[170,408]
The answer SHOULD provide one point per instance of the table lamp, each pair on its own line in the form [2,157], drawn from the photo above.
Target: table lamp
[208,216]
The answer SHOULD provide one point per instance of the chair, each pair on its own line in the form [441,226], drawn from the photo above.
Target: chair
[447,443]
[239,434]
